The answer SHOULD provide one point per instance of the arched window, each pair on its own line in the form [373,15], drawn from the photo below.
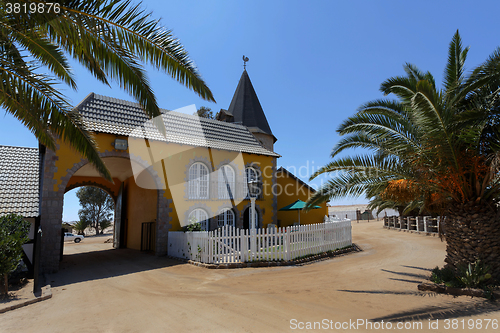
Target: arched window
[198,181]
[250,174]
[226,182]
[199,216]
[225,217]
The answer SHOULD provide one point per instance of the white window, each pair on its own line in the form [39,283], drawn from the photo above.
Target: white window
[199,216]
[250,175]
[226,217]
[226,182]
[198,181]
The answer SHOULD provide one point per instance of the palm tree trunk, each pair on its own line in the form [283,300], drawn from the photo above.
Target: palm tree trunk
[472,232]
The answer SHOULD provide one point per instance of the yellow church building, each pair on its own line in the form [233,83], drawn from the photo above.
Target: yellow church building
[195,171]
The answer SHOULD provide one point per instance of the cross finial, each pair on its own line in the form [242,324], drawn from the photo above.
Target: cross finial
[245,59]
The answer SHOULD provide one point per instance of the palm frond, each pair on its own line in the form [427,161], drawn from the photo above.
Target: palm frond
[454,70]
[111,38]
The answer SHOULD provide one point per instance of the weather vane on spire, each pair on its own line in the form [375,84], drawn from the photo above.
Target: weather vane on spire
[245,59]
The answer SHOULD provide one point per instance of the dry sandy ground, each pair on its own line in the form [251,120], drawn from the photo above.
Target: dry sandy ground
[128,291]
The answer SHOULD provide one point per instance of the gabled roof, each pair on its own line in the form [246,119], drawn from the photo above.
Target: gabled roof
[19,181]
[246,108]
[282,169]
[115,116]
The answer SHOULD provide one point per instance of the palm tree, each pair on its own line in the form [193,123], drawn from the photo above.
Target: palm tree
[111,38]
[433,149]
[80,226]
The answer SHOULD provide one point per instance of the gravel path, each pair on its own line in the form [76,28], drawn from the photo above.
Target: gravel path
[103,290]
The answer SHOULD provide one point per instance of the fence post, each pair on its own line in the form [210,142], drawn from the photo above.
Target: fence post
[210,247]
[425,224]
[244,245]
[287,247]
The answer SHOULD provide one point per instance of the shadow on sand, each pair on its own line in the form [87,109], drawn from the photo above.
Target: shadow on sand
[413,275]
[102,264]
[479,306]
[447,311]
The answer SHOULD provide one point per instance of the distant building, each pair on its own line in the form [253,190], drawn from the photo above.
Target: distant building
[355,212]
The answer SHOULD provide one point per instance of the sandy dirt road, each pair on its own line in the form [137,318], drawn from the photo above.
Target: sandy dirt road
[103,290]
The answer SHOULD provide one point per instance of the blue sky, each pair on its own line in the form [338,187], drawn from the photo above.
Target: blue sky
[312,63]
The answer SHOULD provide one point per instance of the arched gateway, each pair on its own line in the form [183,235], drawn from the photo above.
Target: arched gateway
[150,205]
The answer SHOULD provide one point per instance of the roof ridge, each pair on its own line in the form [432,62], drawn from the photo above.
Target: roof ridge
[9,146]
[203,119]
[89,96]
[164,111]
[283,169]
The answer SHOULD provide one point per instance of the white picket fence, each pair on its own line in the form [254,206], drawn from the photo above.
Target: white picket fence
[233,245]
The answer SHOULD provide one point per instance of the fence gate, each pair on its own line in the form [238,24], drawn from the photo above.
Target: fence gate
[148,236]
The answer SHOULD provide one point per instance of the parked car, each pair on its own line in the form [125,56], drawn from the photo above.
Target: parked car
[70,237]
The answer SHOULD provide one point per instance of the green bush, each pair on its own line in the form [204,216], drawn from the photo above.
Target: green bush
[474,275]
[446,276]
[14,231]
[442,275]
[192,227]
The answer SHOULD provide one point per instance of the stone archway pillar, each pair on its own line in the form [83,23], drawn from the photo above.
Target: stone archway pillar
[163,218]
[50,215]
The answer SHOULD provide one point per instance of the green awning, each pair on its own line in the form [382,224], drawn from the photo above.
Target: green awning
[298,206]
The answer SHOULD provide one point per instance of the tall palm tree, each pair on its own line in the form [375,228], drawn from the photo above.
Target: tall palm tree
[435,149]
[111,38]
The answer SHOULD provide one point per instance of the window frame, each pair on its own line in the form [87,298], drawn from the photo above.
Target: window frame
[246,194]
[198,183]
[204,223]
[223,182]
[225,218]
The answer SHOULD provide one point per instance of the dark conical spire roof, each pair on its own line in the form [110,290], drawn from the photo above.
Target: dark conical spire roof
[246,109]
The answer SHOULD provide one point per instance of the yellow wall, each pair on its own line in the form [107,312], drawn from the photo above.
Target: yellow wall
[291,190]
[141,207]
[111,188]
[68,156]
[142,203]
[177,159]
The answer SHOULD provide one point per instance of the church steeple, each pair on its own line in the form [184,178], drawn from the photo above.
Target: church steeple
[245,108]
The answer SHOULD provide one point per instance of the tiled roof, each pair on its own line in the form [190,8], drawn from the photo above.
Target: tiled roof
[19,188]
[110,115]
